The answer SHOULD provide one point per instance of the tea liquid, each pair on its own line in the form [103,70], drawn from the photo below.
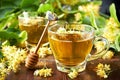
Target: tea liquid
[34,29]
[70,49]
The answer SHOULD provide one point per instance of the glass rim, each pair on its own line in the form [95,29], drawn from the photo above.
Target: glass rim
[34,16]
[92,32]
[54,25]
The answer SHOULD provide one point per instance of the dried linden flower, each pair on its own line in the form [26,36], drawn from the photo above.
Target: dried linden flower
[3,71]
[99,45]
[61,30]
[108,55]
[78,16]
[44,72]
[103,70]
[73,74]
[13,57]
[102,73]
[44,51]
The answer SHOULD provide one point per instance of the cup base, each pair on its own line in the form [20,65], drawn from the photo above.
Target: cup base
[81,67]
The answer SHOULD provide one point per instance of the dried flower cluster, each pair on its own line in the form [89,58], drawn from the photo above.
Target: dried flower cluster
[103,70]
[12,59]
[73,74]
[43,51]
[112,29]
[108,55]
[44,72]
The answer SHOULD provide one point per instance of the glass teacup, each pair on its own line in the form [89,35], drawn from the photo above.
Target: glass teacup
[72,44]
[34,25]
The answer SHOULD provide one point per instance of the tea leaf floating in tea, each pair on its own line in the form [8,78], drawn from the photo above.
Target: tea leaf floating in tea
[32,58]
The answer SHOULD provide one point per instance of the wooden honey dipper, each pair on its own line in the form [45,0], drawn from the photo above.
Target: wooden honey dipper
[32,58]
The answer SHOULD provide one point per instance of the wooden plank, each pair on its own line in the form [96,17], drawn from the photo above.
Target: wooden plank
[88,74]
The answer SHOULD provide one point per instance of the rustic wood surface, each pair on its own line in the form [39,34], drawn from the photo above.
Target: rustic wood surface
[88,74]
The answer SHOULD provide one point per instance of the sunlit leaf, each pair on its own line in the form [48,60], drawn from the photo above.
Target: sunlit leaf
[7,35]
[4,11]
[13,37]
[22,36]
[44,8]
[100,21]
[93,20]
[117,42]
[3,25]
[113,13]
[29,5]
[6,21]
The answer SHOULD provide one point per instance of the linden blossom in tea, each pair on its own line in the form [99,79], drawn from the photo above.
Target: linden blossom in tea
[34,25]
[71,45]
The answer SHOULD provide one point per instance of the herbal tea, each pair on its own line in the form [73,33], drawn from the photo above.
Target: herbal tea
[34,28]
[70,49]
[72,43]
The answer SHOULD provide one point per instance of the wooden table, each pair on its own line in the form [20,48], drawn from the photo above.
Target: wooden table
[88,74]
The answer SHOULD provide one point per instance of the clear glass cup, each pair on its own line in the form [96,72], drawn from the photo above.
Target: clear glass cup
[72,44]
[34,25]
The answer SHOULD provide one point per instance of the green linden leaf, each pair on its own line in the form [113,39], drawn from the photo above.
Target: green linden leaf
[6,43]
[117,42]
[27,3]
[86,20]
[93,20]
[100,21]
[6,6]
[3,24]
[22,36]
[44,8]
[13,37]
[4,11]
[12,29]
[1,55]
[8,35]
[113,13]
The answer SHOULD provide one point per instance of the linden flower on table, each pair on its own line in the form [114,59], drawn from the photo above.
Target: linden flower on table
[103,70]
[44,72]
[44,51]
[99,45]
[108,55]
[73,74]
[102,73]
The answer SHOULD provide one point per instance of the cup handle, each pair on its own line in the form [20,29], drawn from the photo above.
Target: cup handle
[101,46]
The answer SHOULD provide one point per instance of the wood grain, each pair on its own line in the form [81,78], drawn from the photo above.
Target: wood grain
[88,74]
